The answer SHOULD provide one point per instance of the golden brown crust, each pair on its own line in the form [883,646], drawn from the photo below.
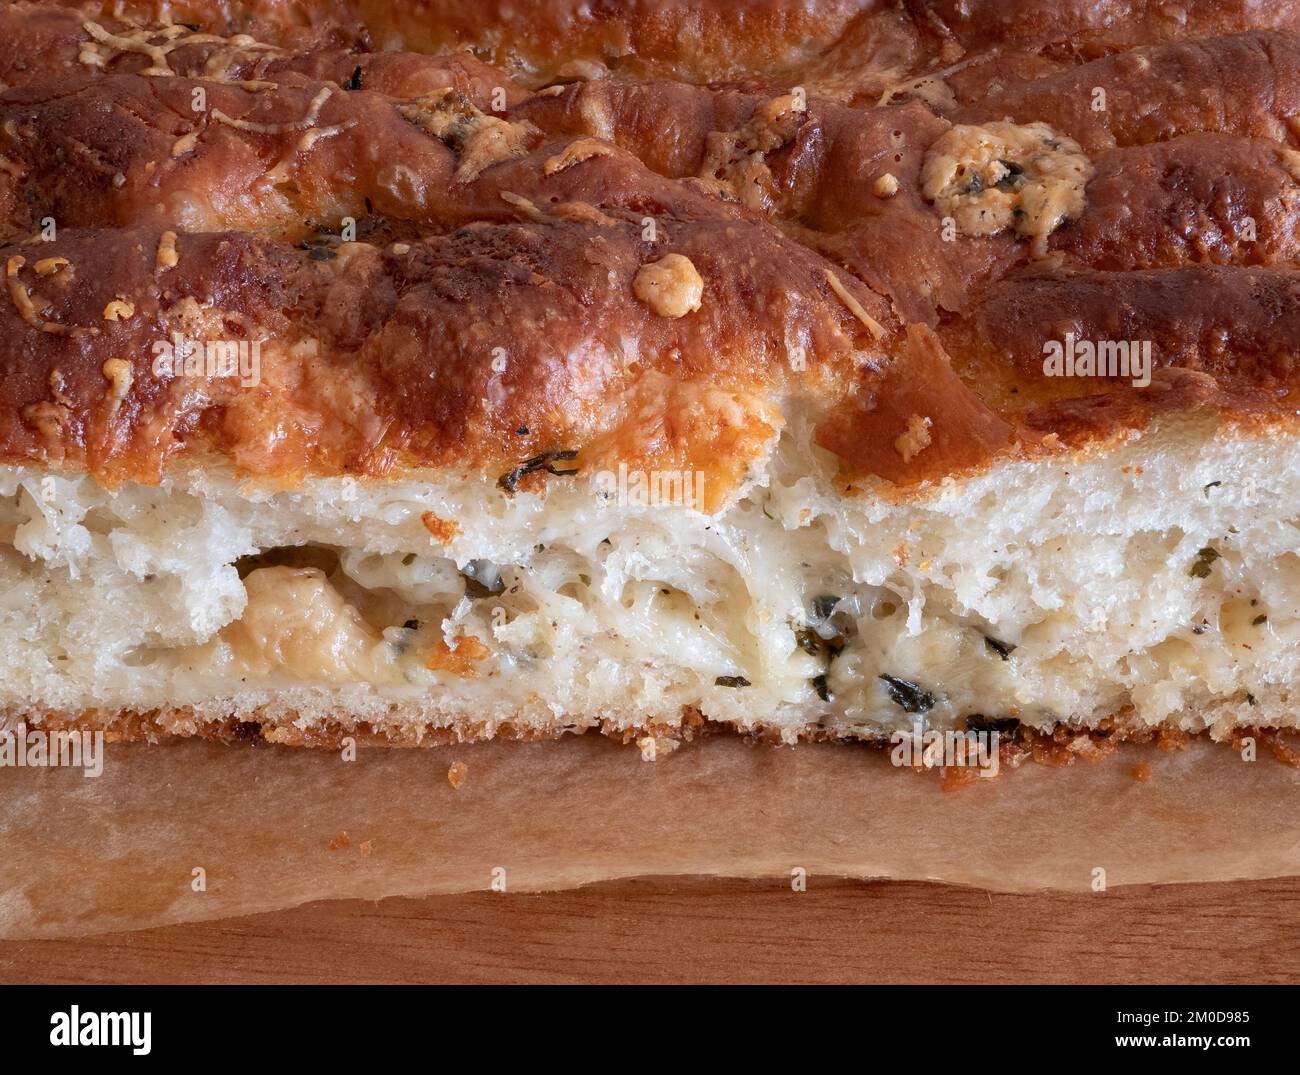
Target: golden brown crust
[438,257]
[1018,744]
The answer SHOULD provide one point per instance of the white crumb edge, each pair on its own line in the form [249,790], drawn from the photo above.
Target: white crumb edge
[626,616]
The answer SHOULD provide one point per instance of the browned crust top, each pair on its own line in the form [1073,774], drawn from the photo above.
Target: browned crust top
[434,221]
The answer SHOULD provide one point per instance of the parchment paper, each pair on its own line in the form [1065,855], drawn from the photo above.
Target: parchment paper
[266,825]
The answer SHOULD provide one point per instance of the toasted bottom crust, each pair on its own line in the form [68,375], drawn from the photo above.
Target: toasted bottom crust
[1057,748]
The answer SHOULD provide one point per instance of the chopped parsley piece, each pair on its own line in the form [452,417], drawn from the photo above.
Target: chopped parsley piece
[911,697]
[814,645]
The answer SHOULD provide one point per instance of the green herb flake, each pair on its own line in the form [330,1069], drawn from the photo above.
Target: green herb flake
[909,696]
[813,644]
[1201,566]
[821,687]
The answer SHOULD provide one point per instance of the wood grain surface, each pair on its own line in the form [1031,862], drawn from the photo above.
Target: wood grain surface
[661,930]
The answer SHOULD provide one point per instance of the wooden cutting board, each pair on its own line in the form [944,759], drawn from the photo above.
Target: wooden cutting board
[717,931]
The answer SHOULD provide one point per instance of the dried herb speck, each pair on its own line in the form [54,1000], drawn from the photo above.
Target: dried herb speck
[476,590]
[731,681]
[824,605]
[1002,649]
[911,697]
[814,645]
[822,687]
[1015,177]
[510,481]
[1201,567]
[978,722]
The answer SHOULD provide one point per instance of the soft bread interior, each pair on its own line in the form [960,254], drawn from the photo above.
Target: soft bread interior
[1156,583]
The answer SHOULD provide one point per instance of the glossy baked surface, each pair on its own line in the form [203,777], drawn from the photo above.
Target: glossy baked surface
[200,166]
